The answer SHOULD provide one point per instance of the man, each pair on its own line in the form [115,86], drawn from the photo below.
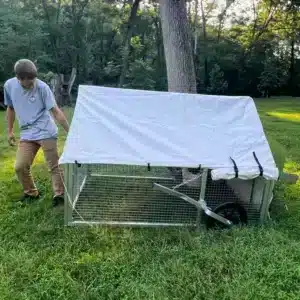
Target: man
[32,102]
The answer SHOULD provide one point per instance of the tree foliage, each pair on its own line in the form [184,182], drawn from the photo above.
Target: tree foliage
[239,48]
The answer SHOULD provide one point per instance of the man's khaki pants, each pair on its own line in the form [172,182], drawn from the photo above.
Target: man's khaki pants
[26,153]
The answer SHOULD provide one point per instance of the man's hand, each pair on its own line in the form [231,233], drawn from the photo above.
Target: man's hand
[60,118]
[11,139]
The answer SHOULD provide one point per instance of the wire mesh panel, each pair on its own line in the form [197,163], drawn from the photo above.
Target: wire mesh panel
[122,194]
[125,195]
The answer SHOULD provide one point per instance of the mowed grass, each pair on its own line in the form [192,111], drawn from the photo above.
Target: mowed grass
[42,259]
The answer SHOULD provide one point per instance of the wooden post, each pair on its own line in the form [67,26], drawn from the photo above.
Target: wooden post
[2,106]
[63,88]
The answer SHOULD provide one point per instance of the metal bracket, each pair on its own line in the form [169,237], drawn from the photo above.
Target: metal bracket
[201,204]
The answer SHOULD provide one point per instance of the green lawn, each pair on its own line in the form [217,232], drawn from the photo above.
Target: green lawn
[41,259]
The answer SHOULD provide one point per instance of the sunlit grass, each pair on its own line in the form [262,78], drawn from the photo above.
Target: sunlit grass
[41,259]
[285,116]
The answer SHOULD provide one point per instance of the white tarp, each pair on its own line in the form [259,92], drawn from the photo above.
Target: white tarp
[135,127]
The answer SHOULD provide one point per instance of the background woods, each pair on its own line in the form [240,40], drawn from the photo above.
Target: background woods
[238,48]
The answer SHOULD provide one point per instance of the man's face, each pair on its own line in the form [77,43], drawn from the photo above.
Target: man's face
[27,83]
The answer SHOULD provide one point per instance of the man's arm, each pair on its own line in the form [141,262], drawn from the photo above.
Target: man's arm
[51,105]
[10,114]
[59,116]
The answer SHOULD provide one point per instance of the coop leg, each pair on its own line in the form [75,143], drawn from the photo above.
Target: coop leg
[267,196]
[68,178]
[202,194]
[201,204]
[80,189]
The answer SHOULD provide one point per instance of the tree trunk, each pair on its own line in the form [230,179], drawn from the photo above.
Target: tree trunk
[206,75]
[52,36]
[177,46]
[256,34]
[292,57]
[292,68]
[159,59]
[2,106]
[189,7]
[222,17]
[126,50]
[196,28]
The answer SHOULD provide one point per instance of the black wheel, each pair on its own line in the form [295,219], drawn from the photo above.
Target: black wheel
[232,211]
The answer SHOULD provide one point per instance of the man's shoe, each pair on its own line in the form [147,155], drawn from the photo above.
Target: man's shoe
[58,200]
[27,199]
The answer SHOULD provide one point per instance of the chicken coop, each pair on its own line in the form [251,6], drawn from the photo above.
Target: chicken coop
[149,158]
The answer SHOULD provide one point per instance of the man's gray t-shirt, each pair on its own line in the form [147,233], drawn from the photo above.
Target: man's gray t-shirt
[32,109]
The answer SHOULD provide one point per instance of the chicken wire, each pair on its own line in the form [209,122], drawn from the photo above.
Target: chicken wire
[125,195]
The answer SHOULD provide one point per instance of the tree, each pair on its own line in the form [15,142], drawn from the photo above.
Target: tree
[222,15]
[218,85]
[209,6]
[177,46]
[126,50]
[259,43]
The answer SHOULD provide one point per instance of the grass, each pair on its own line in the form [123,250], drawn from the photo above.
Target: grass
[41,259]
